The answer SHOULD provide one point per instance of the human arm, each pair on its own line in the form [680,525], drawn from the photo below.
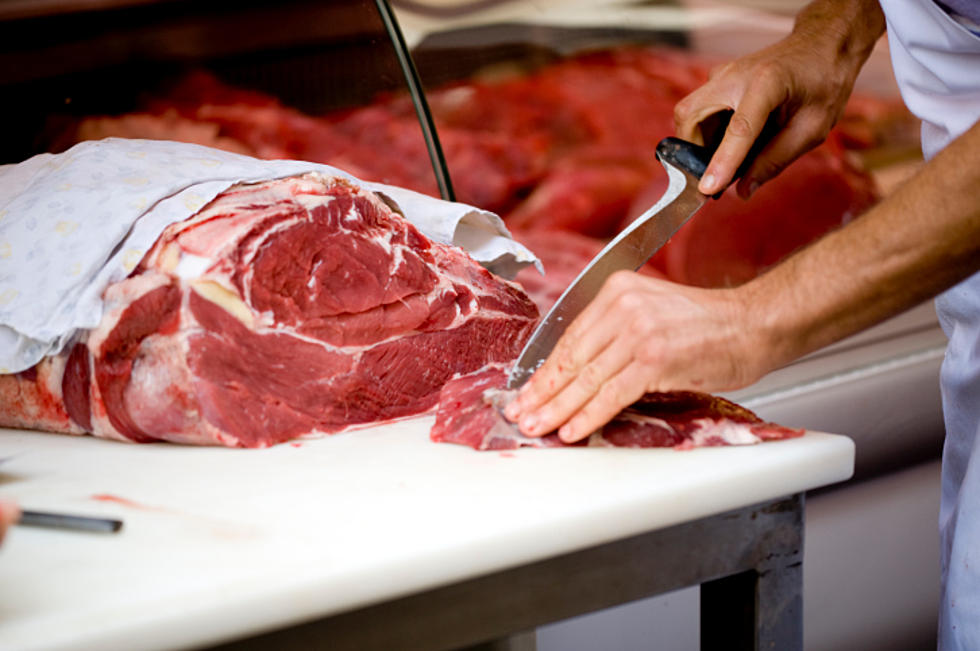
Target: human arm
[804,81]
[641,334]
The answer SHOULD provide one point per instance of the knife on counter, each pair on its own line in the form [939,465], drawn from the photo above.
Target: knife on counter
[56,520]
[685,163]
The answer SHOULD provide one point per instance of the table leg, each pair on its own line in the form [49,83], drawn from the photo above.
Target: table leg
[761,608]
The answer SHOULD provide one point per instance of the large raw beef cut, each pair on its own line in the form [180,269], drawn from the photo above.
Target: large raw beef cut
[468,414]
[294,306]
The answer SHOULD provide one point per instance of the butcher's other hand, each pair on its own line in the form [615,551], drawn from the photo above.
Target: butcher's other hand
[9,514]
[799,85]
[639,335]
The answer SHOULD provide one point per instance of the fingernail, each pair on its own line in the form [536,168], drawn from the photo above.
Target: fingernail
[753,186]
[565,433]
[528,423]
[512,411]
[708,184]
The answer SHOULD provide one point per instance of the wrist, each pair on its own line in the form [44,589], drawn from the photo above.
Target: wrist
[767,317]
[845,30]
[753,343]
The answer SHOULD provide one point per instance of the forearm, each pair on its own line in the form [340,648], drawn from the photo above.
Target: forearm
[848,29]
[911,246]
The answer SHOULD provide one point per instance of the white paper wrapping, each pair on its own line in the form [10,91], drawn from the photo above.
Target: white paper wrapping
[72,223]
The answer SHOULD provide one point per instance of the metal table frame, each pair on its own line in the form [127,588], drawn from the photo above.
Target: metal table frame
[749,563]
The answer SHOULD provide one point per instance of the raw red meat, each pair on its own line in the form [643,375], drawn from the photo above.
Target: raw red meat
[282,308]
[586,193]
[468,415]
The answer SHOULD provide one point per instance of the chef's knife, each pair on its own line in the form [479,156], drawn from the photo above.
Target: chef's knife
[685,162]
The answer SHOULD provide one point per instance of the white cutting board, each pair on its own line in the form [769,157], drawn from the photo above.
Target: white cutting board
[220,542]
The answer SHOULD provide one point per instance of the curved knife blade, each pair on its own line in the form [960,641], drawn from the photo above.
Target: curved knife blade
[684,162]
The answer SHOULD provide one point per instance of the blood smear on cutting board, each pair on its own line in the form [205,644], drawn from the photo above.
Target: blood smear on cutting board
[106,497]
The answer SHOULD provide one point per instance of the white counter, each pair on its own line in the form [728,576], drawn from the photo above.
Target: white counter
[223,543]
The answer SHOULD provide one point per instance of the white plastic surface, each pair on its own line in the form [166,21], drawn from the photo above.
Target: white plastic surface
[222,543]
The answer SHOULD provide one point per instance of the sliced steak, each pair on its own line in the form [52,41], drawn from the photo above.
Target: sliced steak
[468,414]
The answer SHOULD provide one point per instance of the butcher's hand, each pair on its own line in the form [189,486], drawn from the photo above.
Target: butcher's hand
[640,335]
[800,85]
[9,514]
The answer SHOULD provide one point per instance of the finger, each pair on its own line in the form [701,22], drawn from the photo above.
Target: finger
[586,337]
[744,128]
[574,350]
[618,392]
[803,132]
[587,383]
[9,514]
[694,109]
[720,93]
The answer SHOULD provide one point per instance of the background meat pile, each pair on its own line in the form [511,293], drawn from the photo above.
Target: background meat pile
[564,153]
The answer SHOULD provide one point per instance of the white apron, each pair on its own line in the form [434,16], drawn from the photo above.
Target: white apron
[937,65]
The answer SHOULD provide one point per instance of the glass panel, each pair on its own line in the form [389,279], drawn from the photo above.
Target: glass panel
[273,80]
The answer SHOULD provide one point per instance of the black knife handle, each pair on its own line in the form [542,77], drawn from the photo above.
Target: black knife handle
[695,158]
[685,155]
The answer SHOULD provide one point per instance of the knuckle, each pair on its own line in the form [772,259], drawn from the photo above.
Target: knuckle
[741,126]
[565,357]
[615,395]
[767,170]
[720,70]
[638,327]
[572,334]
[769,72]
[818,133]
[682,109]
[590,379]
[813,129]
[650,356]
[627,305]
[620,281]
